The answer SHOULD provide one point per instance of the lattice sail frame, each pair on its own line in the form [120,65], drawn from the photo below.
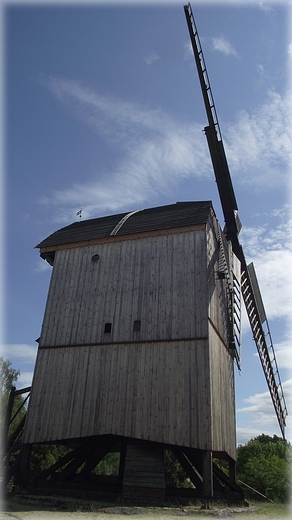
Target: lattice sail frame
[250,290]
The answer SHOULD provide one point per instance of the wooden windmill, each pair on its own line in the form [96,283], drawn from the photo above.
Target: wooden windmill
[138,343]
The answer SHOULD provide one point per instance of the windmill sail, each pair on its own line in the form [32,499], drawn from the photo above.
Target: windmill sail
[250,289]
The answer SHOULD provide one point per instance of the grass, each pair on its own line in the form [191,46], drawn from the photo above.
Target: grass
[272,511]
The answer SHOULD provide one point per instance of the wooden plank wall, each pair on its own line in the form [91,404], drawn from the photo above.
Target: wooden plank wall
[144,472]
[152,391]
[158,280]
[222,397]
[164,383]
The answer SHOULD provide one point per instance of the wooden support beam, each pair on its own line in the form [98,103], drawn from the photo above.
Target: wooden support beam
[187,466]
[195,457]
[61,462]
[225,478]
[207,473]
[95,457]
[13,438]
[77,461]
[8,416]
[122,462]
[22,473]
[232,469]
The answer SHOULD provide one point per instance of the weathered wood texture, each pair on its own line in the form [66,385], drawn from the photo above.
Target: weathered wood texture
[144,472]
[222,397]
[169,382]
[151,391]
[158,280]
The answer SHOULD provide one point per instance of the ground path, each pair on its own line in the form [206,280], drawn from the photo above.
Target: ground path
[44,508]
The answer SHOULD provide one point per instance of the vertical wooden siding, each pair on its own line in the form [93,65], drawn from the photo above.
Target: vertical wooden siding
[151,391]
[158,280]
[164,383]
[222,397]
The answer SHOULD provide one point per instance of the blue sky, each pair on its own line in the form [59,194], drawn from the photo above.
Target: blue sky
[103,112]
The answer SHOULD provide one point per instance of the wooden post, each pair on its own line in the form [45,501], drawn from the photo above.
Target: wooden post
[207,474]
[8,416]
[22,473]
[122,462]
[232,469]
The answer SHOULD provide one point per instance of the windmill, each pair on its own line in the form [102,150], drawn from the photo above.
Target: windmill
[250,288]
[138,342]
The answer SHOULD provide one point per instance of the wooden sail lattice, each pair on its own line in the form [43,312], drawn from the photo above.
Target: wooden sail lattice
[263,340]
[250,289]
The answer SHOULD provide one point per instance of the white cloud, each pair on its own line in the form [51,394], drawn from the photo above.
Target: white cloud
[24,380]
[243,435]
[270,249]
[151,58]
[42,266]
[19,351]
[158,151]
[21,355]
[259,145]
[221,44]
[260,413]
[284,353]
[188,50]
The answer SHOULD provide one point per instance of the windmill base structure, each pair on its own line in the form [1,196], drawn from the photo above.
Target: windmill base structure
[136,355]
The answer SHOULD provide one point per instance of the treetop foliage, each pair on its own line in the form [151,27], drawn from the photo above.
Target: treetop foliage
[8,375]
[264,464]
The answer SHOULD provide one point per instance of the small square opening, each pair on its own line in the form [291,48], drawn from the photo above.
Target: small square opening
[137,325]
[107,328]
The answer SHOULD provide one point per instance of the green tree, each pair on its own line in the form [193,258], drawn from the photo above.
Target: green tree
[8,378]
[43,456]
[175,475]
[264,464]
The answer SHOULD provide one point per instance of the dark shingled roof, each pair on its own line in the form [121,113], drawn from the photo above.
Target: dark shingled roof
[163,217]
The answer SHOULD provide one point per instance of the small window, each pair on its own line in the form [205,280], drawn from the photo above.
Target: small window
[137,325]
[107,328]
[95,258]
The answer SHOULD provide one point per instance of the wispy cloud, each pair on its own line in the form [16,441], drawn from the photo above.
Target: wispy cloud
[21,355]
[221,44]
[243,435]
[270,248]
[151,58]
[158,151]
[24,380]
[21,351]
[259,410]
[42,266]
[188,50]
[259,145]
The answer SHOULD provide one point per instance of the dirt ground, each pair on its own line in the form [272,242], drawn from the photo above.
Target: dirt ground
[44,508]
